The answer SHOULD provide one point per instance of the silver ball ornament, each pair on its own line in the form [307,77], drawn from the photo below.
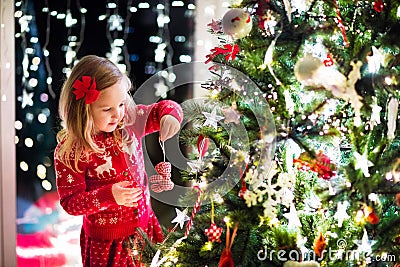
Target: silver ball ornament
[306,69]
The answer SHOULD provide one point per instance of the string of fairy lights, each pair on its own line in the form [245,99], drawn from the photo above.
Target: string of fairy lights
[36,56]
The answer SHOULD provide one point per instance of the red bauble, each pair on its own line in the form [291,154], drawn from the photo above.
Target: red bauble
[373,218]
[378,5]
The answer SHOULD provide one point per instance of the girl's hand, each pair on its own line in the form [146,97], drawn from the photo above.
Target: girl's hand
[169,126]
[125,195]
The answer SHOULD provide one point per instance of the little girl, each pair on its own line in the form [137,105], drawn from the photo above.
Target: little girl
[99,161]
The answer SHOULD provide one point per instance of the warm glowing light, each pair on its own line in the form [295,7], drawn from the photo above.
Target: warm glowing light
[42,118]
[24,166]
[185,58]
[388,80]
[41,171]
[144,5]
[46,185]
[33,82]
[155,39]
[111,5]
[18,125]
[61,16]
[36,60]
[177,3]
[28,142]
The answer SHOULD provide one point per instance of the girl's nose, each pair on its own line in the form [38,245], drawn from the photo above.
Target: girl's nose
[115,114]
[118,113]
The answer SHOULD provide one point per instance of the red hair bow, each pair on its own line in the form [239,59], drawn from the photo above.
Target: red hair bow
[85,87]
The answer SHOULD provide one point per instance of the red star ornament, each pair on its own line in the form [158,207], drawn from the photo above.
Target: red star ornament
[213,233]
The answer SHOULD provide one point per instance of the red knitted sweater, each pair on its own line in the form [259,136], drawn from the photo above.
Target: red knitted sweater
[88,193]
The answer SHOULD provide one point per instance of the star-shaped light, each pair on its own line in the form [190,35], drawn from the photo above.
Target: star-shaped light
[341,213]
[365,245]
[362,163]
[181,217]
[161,89]
[26,99]
[293,218]
[212,118]
[115,22]
[231,114]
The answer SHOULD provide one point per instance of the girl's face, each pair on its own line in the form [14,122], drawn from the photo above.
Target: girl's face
[109,109]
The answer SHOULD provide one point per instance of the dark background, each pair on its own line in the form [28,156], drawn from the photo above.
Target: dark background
[92,34]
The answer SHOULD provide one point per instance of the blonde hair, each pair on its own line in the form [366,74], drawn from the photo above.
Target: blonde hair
[78,128]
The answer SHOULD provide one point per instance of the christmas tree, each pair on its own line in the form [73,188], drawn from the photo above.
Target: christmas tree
[296,157]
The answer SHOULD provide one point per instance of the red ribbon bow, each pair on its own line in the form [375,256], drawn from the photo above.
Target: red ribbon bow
[86,87]
[230,52]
